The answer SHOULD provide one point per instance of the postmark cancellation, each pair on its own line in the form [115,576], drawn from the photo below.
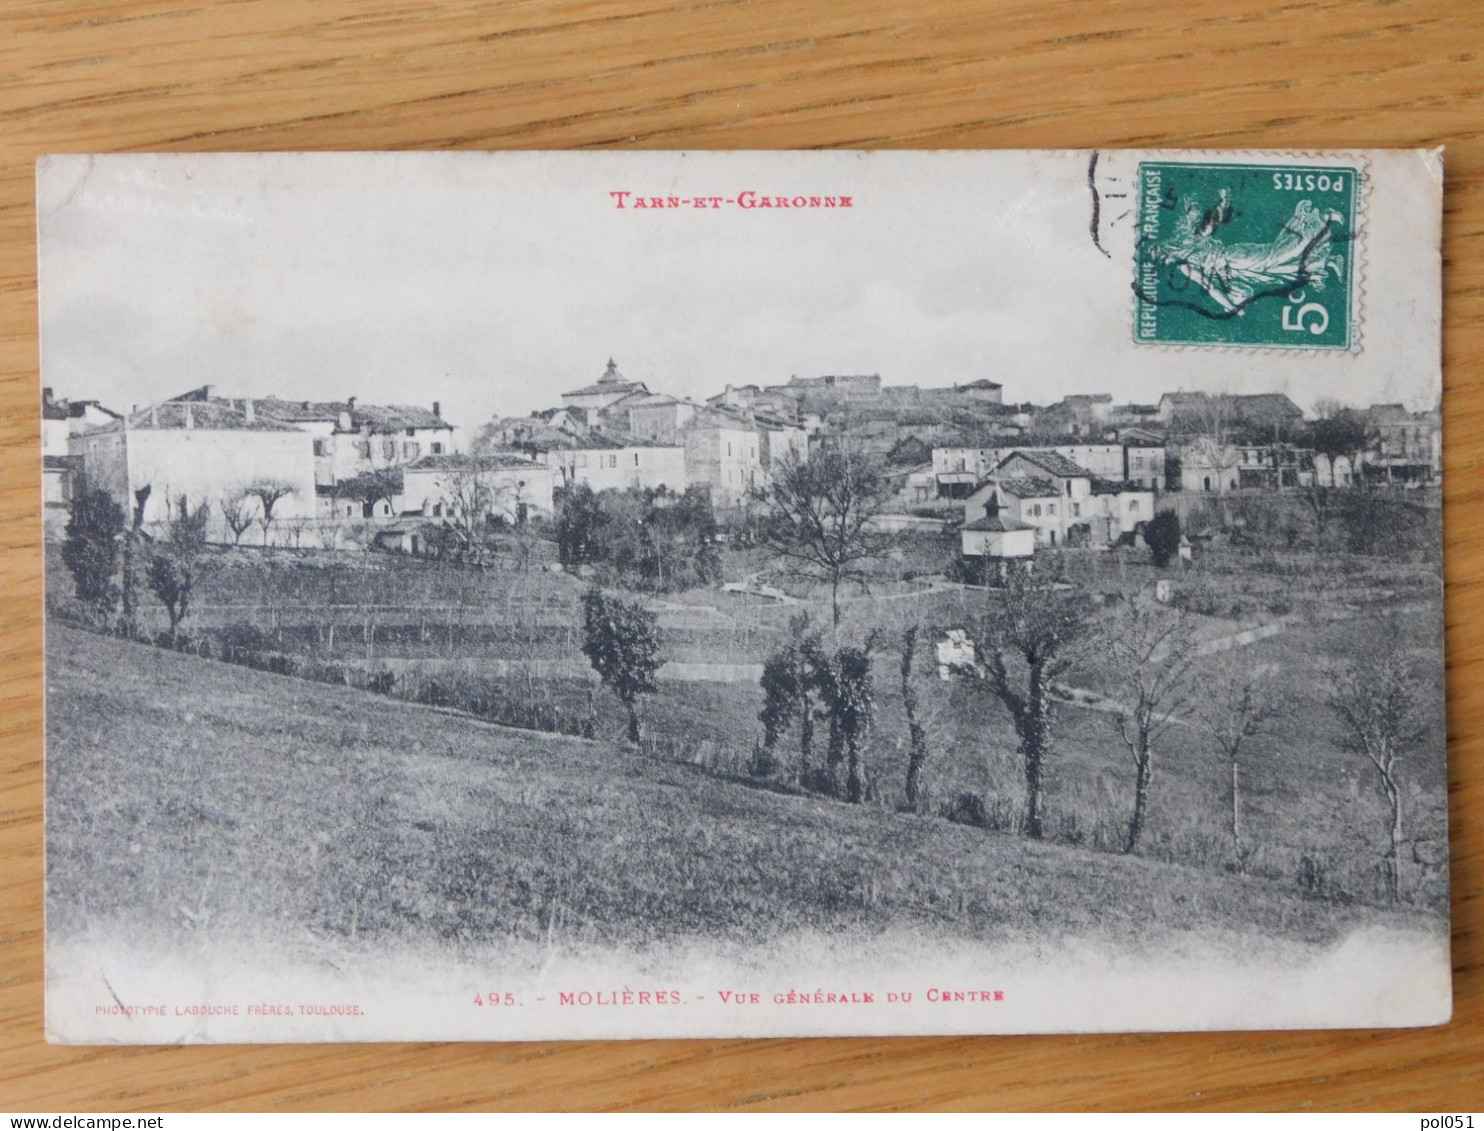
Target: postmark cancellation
[1255,255]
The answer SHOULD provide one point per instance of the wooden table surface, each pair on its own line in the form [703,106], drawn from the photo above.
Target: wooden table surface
[79,76]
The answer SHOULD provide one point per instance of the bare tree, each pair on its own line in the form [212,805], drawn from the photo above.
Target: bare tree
[1152,649]
[1213,423]
[298,526]
[1378,702]
[822,514]
[1029,636]
[1326,407]
[237,512]
[1237,710]
[268,493]
[474,496]
[327,531]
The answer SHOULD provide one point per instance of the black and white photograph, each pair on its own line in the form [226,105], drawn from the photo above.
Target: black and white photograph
[593,595]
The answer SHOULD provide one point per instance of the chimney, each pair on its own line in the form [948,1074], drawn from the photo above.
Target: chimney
[207,392]
[247,410]
[350,402]
[438,410]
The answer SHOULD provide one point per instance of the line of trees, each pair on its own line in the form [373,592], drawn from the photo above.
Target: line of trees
[1026,642]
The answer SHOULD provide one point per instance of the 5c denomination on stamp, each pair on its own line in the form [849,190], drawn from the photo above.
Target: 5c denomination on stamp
[1246,255]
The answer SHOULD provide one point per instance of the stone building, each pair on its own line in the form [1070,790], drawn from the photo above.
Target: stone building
[205,451]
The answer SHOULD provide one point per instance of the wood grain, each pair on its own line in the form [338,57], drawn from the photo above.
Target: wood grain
[282,75]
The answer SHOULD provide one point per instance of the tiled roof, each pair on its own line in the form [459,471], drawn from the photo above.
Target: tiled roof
[528,432]
[612,381]
[375,417]
[773,423]
[299,412]
[1140,437]
[53,409]
[394,417]
[1053,462]
[216,416]
[607,387]
[489,461]
[1267,403]
[611,441]
[1029,487]
[999,524]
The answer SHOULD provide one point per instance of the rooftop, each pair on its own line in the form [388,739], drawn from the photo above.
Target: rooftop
[373,417]
[1000,524]
[1052,462]
[610,441]
[1029,487]
[612,381]
[216,416]
[459,461]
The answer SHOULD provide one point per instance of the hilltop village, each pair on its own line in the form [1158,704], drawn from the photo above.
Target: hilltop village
[1084,470]
[918,602]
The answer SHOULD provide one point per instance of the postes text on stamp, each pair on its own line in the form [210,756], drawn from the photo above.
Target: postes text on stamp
[1245,255]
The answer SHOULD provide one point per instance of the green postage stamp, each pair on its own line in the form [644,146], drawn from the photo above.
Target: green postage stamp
[1246,255]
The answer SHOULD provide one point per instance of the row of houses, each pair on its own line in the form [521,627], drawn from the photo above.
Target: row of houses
[331,462]
[346,461]
[616,433]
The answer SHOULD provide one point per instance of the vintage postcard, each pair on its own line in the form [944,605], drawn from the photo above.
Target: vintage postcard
[554,595]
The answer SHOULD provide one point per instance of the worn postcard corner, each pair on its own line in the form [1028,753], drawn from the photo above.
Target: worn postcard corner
[554,595]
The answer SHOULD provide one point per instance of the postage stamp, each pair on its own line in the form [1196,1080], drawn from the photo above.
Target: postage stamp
[1246,255]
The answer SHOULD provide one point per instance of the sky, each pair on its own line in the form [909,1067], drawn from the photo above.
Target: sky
[494,282]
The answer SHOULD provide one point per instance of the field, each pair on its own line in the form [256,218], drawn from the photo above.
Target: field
[408,810]
[505,643]
[192,799]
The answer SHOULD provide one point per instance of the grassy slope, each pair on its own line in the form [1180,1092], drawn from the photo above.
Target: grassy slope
[185,795]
